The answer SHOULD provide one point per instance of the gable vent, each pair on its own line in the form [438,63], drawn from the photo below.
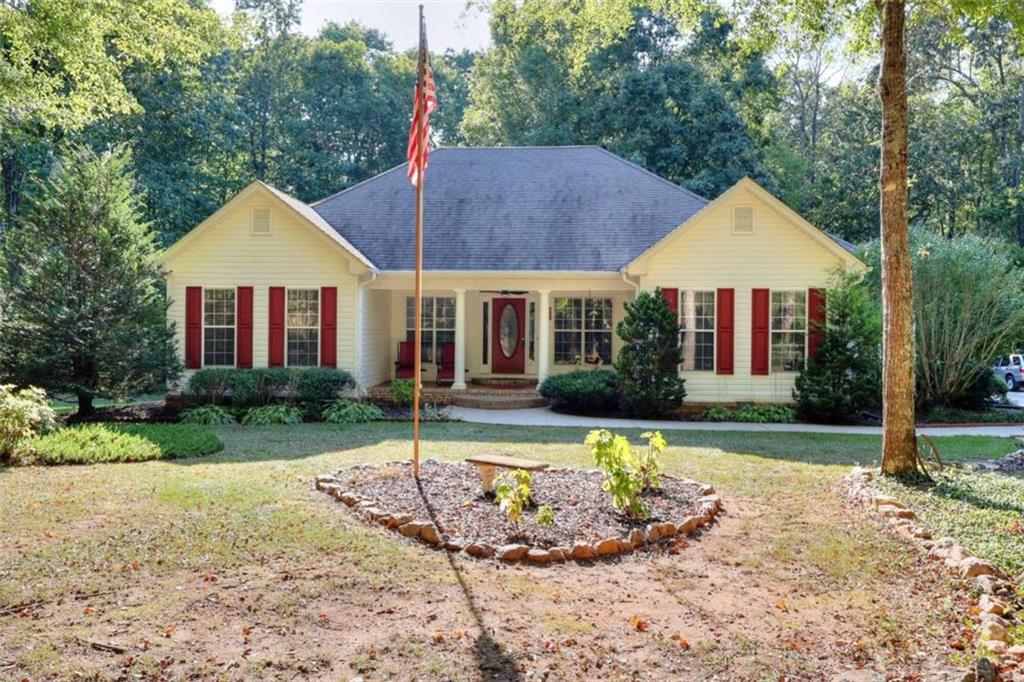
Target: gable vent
[260,221]
[743,220]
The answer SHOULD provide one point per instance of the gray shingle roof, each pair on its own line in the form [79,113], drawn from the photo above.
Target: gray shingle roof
[513,208]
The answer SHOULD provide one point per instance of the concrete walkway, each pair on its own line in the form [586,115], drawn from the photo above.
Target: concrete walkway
[543,416]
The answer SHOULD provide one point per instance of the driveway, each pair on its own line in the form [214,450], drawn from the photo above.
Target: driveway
[544,416]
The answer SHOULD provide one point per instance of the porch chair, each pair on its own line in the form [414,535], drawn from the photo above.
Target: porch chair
[446,364]
[406,360]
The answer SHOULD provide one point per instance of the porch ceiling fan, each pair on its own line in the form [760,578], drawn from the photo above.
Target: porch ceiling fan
[503,292]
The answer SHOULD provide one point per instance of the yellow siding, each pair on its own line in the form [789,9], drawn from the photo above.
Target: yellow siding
[707,255]
[375,360]
[295,254]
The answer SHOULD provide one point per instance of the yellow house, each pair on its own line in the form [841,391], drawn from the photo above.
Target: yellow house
[529,256]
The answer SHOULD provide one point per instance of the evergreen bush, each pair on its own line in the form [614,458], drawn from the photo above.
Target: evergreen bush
[647,365]
[582,391]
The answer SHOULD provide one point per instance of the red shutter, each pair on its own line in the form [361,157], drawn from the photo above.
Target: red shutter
[193,327]
[724,330]
[329,326]
[759,337]
[275,342]
[815,320]
[243,353]
[672,298]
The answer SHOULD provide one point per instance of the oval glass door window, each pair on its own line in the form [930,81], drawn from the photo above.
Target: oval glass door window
[508,331]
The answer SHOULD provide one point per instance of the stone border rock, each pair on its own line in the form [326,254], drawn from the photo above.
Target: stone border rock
[709,505]
[997,602]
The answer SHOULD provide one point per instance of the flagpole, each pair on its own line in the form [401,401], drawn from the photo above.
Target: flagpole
[417,354]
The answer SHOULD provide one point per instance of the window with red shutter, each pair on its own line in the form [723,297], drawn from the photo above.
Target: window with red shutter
[244,351]
[329,326]
[275,340]
[759,337]
[725,331]
[193,327]
[815,320]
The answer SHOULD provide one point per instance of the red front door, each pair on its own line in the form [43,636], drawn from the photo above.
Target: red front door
[508,336]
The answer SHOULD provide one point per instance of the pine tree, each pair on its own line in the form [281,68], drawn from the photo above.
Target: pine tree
[647,364]
[844,378]
[85,310]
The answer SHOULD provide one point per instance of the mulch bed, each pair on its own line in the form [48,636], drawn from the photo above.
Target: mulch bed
[449,494]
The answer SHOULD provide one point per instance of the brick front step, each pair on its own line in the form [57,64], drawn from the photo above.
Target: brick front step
[485,397]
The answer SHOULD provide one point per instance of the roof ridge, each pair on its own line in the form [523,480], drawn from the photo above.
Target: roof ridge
[652,174]
[522,146]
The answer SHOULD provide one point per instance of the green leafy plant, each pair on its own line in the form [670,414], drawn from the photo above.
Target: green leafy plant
[99,443]
[351,412]
[269,415]
[431,412]
[261,386]
[210,415]
[209,387]
[512,493]
[649,462]
[545,515]
[582,391]
[24,415]
[649,383]
[765,414]
[318,385]
[623,477]
[845,376]
[717,413]
[400,392]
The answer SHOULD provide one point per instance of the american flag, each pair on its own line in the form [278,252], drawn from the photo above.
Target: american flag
[424,102]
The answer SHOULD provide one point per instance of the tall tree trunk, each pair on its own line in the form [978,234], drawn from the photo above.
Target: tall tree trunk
[898,438]
[85,407]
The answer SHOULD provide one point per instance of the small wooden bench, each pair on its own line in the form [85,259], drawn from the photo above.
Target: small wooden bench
[488,464]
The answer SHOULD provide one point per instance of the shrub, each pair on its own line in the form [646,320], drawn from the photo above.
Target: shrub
[400,392]
[845,378]
[430,412]
[176,441]
[269,415]
[97,443]
[210,415]
[545,515]
[512,493]
[649,383]
[209,386]
[582,391]
[318,385]
[257,387]
[765,414]
[717,413]
[24,415]
[623,478]
[351,412]
[968,309]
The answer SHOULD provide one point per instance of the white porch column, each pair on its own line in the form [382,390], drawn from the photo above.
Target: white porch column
[544,330]
[460,340]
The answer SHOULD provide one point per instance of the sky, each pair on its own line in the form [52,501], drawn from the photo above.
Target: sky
[449,23]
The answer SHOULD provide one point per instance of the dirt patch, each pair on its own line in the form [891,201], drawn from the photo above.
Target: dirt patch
[449,494]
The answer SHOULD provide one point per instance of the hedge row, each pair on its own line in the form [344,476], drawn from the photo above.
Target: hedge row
[263,386]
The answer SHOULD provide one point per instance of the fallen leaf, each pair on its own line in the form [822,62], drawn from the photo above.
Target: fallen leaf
[168,631]
[438,637]
[781,605]
[639,624]
[681,641]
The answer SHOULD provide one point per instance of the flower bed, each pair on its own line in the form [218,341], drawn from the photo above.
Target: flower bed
[447,509]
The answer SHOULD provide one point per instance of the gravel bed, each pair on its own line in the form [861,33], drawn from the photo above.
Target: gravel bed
[449,495]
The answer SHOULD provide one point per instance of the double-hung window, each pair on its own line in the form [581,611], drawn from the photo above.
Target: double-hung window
[218,327]
[303,318]
[583,330]
[697,319]
[789,330]
[437,324]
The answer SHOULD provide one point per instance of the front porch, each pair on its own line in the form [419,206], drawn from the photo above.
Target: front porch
[492,336]
[482,394]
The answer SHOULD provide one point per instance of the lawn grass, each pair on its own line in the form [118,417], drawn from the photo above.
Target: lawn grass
[984,511]
[165,535]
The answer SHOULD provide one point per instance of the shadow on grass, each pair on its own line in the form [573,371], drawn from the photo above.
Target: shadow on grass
[492,661]
[456,440]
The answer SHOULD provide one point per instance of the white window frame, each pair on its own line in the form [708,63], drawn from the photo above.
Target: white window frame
[772,331]
[252,222]
[316,327]
[582,328]
[233,327]
[753,220]
[713,330]
[432,328]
